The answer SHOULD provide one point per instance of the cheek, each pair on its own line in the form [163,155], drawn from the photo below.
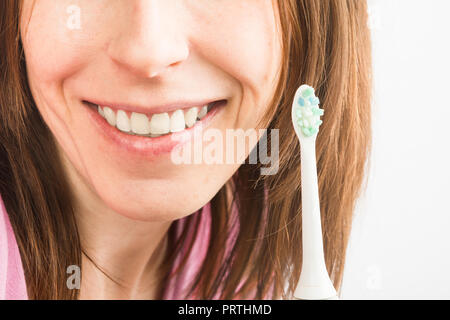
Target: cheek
[246,44]
[54,49]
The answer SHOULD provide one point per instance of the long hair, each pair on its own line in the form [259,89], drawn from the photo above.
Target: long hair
[326,44]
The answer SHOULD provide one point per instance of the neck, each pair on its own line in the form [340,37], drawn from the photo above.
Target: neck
[121,256]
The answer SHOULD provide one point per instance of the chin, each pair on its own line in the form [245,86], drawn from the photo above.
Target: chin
[157,206]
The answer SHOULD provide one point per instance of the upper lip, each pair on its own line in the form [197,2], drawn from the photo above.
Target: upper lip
[152,109]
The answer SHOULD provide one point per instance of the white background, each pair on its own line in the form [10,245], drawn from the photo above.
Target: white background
[400,243]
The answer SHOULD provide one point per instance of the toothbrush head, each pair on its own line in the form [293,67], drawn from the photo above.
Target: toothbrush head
[306,112]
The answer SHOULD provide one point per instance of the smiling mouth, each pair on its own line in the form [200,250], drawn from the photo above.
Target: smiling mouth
[157,124]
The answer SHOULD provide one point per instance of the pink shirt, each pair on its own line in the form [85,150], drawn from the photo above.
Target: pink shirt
[12,280]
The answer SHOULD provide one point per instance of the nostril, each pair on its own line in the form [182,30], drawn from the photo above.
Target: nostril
[175,64]
[155,73]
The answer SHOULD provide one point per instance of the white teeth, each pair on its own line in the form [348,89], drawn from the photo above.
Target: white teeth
[160,123]
[100,110]
[203,112]
[177,123]
[122,121]
[140,123]
[110,116]
[190,117]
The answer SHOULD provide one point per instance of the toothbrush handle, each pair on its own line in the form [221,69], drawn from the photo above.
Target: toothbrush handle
[311,224]
[314,280]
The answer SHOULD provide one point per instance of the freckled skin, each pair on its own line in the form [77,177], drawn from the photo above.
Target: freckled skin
[141,51]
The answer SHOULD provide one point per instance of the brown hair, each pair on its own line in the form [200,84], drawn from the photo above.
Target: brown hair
[325,44]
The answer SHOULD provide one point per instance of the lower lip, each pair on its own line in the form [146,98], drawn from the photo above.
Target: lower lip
[144,146]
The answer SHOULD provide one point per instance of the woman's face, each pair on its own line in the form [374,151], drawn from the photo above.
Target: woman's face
[149,58]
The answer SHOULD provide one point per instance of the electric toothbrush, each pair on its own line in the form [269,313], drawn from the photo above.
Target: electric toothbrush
[314,283]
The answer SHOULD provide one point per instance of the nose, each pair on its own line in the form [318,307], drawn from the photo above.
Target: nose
[151,41]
